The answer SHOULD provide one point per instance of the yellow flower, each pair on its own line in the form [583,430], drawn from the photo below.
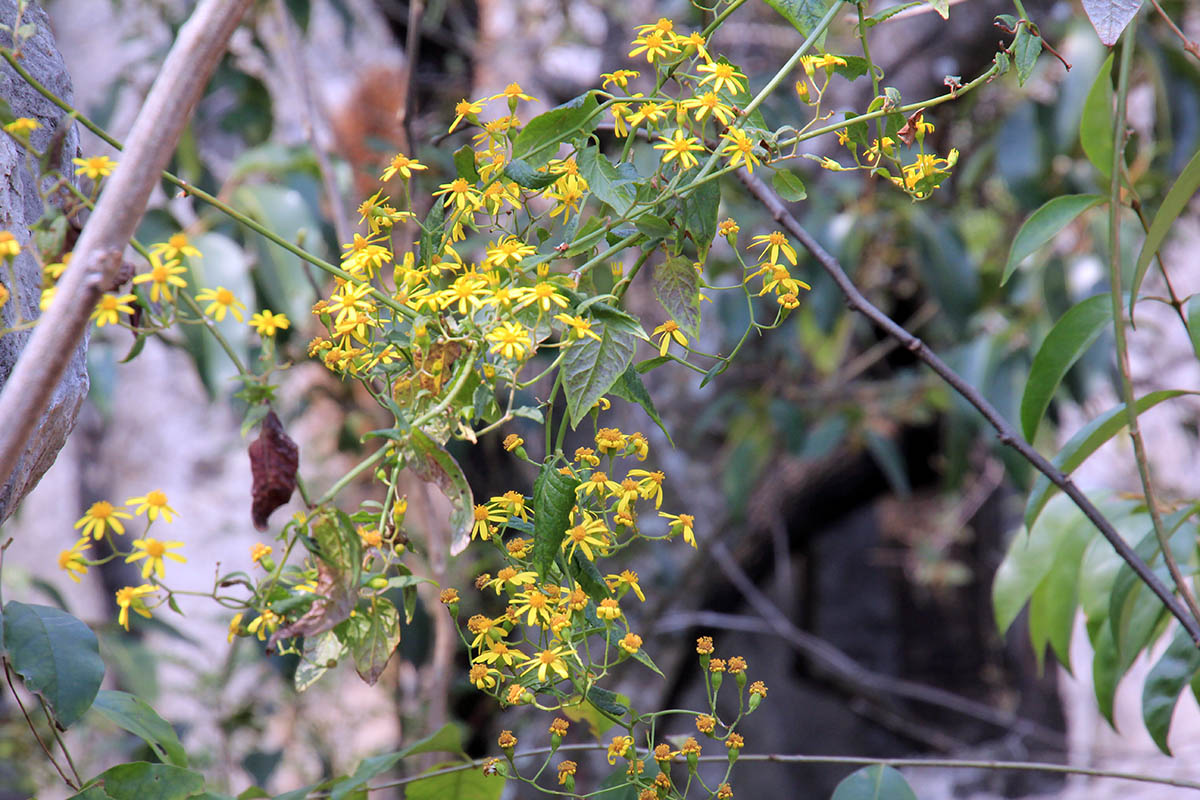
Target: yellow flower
[9,246]
[618,747]
[235,627]
[619,78]
[464,196]
[176,246]
[94,167]
[264,623]
[22,126]
[709,103]
[401,164]
[512,442]
[599,485]
[484,517]
[774,243]
[482,677]
[535,606]
[631,643]
[73,561]
[579,326]
[108,307]
[4,295]
[549,660]
[510,340]
[722,75]
[654,44]
[740,149]
[154,551]
[669,330]
[131,597]
[680,147]
[152,504]
[100,516]
[220,301]
[591,532]
[267,322]
[508,252]
[608,609]
[161,277]
[513,92]
[465,110]
[627,579]
[259,551]
[650,484]
[682,523]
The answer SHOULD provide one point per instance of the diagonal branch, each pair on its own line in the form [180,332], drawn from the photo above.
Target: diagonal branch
[97,255]
[1004,431]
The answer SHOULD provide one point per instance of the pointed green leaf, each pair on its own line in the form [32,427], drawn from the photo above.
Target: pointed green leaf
[1177,199]
[1166,681]
[1105,675]
[1193,322]
[1110,17]
[1026,48]
[616,186]
[1070,337]
[1086,441]
[630,387]
[553,499]
[142,781]
[583,570]
[1044,224]
[434,464]
[788,186]
[876,782]
[803,14]
[700,208]
[462,784]
[1095,124]
[538,141]
[590,367]
[136,716]
[464,164]
[526,176]
[942,7]
[1053,604]
[677,287]
[279,273]
[446,740]
[56,655]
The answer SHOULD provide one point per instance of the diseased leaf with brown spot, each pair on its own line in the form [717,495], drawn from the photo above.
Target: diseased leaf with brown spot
[274,458]
[336,597]
[908,133]
[433,464]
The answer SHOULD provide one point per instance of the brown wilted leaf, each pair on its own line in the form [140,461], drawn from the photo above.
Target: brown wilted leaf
[908,133]
[335,600]
[274,458]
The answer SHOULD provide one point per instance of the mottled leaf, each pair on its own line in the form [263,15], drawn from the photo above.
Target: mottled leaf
[803,14]
[374,643]
[591,367]
[433,463]
[142,781]
[677,287]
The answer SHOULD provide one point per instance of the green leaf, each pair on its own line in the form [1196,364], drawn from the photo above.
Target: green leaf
[1026,48]
[1095,124]
[1166,681]
[591,367]
[462,784]
[538,141]
[464,164]
[677,287]
[585,571]
[1044,224]
[803,14]
[1070,337]
[630,387]
[1193,322]
[788,186]
[1109,17]
[435,465]
[142,781]
[887,13]
[1031,557]
[136,716]
[609,702]
[1086,441]
[890,460]
[321,653]
[876,782]
[653,227]
[373,644]
[700,208]
[1177,199]
[528,177]
[1105,676]
[1052,606]
[553,499]
[56,655]
[446,740]
[620,785]
[616,186]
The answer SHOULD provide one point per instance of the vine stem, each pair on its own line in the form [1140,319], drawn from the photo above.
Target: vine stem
[33,730]
[784,758]
[1118,313]
[1004,431]
[99,250]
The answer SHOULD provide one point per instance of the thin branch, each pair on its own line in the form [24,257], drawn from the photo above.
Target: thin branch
[1004,431]
[1119,333]
[97,255]
[1188,44]
[33,729]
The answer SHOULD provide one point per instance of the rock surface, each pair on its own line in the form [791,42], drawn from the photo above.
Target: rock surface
[20,207]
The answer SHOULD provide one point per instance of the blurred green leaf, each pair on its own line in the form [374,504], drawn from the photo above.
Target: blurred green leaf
[1181,193]
[1044,224]
[136,716]
[803,14]
[142,781]
[538,141]
[1095,125]
[788,186]
[56,655]
[463,784]
[1166,681]
[876,782]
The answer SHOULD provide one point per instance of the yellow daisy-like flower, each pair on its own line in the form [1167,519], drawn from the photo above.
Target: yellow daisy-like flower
[722,75]
[133,597]
[510,340]
[109,306]
[22,126]
[482,677]
[101,516]
[154,551]
[403,165]
[544,295]
[161,277]
[706,104]
[513,92]
[655,44]
[549,660]
[465,110]
[484,517]
[680,147]
[536,607]
[235,627]
[625,581]
[268,323]
[619,78]
[631,643]
[773,244]
[259,551]
[618,747]
[740,149]
[221,301]
[590,533]
[669,330]
[682,523]
[461,194]
[263,624]
[578,326]
[9,246]
[599,485]
[508,252]
[177,245]
[94,167]
[152,504]
[73,561]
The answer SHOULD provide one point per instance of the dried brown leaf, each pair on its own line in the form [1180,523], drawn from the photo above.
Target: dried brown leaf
[274,458]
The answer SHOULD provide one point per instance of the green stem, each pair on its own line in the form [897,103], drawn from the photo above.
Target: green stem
[359,469]
[1118,312]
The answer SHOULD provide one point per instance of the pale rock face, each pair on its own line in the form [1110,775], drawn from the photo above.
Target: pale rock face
[20,207]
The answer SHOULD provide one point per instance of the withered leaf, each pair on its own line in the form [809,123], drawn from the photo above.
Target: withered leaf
[336,596]
[274,458]
[908,133]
